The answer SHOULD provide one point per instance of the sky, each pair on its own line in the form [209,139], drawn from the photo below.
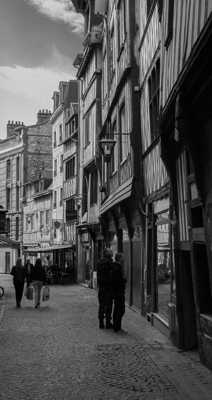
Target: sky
[39,40]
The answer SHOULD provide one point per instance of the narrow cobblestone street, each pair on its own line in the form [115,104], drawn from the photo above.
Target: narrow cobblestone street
[57,352]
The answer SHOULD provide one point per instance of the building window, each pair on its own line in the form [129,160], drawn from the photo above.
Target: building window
[61,196]
[61,163]
[112,55]
[8,169]
[8,198]
[55,139]
[169,32]
[114,158]
[154,89]
[70,168]
[55,167]
[121,24]
[17,168]
[71,212]
[93,189]
[124,138]
[87,129]
[17,228]
[55,199]
[47,217]
[84,195]
[104,81]
[41,219]
[17,198]
[32,222]
[60,132]
[8,226]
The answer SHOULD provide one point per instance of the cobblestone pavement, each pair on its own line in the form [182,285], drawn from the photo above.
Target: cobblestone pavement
[57,352]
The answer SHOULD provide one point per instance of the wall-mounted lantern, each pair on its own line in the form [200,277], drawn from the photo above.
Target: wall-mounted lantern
[106,146]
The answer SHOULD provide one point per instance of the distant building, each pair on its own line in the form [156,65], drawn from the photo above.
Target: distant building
[71,174]
[64,122]
[37,220]
[25,155]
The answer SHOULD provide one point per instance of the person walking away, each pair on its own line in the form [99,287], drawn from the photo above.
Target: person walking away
[28,271]
[19,275]
[38,279]
[118,288]
[104,285]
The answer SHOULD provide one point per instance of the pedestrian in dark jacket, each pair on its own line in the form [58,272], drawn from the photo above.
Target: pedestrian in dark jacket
[28,270]
[104,284]
[118,287]
[38,279]
[19,275]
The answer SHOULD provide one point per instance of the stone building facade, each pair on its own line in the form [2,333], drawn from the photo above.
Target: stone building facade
[25,156]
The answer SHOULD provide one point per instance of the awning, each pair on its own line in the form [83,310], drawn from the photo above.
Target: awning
[47,249]
[122,193]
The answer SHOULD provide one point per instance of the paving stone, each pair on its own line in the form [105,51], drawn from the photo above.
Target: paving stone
[57,352]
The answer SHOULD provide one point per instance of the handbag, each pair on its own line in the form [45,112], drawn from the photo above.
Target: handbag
[46,293]
[29,292]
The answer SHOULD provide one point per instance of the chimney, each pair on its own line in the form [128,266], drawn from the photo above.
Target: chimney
[11,127]
[43,116]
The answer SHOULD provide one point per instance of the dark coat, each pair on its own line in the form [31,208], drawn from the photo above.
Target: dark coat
[104,274]
[118,279]
[38,274]
[19,274]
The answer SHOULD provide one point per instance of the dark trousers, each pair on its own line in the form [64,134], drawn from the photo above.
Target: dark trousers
[118,310]
[105,304]
[19,288]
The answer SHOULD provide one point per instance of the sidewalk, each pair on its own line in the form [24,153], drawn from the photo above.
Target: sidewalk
[58,353]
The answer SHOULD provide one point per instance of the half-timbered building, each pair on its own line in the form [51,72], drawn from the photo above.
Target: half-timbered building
[186,149]
[120,214]
[89,72]
[157,269]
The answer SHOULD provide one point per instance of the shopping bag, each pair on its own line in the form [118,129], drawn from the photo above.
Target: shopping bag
[46,293]
[29,292]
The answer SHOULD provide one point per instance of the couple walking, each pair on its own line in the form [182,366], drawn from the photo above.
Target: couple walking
[34,275]
[111,290]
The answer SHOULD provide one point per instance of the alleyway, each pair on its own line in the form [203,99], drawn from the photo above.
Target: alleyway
[58,353]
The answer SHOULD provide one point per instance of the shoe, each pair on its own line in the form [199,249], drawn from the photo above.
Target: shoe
[109,325]
[37,305]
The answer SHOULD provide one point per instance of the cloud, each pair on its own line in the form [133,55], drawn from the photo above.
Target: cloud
[23,91]
[60,10]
